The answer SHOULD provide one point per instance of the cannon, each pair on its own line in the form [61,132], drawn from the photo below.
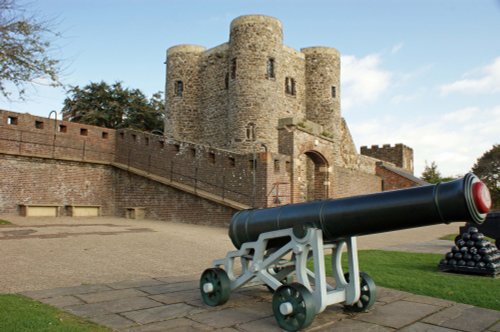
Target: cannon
[275,244]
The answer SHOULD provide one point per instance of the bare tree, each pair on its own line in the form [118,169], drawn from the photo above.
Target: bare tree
[25,42]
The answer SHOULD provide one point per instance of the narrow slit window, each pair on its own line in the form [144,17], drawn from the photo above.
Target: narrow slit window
[211,157]
[226,81]
[270,68]
[232,161]
[233,68]
[276,166]
[179,88]
[146,140]
[250,132]
[334,92]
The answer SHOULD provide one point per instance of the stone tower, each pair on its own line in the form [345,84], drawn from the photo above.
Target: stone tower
[182,90]
[399,154]
[323,87]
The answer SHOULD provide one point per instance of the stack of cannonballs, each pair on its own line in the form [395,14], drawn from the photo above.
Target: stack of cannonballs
[473,254]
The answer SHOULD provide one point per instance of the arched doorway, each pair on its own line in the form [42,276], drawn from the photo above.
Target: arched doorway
[313,175]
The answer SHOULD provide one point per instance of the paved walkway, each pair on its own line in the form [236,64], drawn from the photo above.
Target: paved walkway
[124,274]
[174,304]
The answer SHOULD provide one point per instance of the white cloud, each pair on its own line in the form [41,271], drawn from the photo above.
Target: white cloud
[486,82]
[453,140]
[362,80]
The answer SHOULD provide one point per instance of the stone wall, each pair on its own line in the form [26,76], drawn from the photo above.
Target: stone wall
[399,155]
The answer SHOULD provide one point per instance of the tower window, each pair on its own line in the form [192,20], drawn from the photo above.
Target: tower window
[105,135]
[233,68]
[250,132]
[211,157]
[39,124]
[179,88]
[226,81]
[270,68]
[63,129]
[290,86]
[84,131]
[334,92]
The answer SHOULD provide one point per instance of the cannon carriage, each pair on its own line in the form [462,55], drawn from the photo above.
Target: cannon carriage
[274,245]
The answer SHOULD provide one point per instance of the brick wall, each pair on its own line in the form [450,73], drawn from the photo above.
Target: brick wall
[166,203]
[349,182]
[392,180]
[25,134]
[30,180]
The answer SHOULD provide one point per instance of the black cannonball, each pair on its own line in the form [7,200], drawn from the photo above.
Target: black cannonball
[471,263]
[477,257]
[472,230]
[458,256]
[481,243]
[477,236]
[455,249]
[481,264]
[461,263]
[449,255]
[470,243]
[490,266]
[483,251]
[466,236]
[444,261]
[453,262]
[473,250]
[467,257]
[464,250]
[488,258]
[460,243]
[458,237]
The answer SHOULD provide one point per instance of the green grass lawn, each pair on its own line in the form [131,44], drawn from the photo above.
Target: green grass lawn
[19,313]
[418,274]
[4,222]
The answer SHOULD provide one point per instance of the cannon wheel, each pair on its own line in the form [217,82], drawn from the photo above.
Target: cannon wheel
[215,286]
[368,294]
[293,307]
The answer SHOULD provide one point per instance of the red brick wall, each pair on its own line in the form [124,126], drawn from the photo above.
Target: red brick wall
[349,182]
[166,203]
[29,180]
[76,142]
[392,181]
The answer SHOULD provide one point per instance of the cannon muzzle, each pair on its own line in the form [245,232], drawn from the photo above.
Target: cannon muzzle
[465,199]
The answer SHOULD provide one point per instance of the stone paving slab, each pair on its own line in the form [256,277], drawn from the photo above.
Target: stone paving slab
[174,304]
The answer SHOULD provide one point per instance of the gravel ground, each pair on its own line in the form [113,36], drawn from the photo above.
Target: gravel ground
[43,253]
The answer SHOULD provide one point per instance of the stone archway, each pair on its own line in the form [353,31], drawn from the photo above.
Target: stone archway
[313,175]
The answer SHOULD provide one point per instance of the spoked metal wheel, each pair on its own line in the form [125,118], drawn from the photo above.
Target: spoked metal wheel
[293,307]
[368,294]
[215,286]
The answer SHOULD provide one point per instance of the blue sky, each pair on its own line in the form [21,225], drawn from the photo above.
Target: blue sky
[423,73]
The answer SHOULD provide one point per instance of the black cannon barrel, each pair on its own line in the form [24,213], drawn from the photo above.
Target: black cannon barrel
[465,199]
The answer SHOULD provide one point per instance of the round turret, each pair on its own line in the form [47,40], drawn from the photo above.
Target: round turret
[182,91]
[323,87]
[255,81]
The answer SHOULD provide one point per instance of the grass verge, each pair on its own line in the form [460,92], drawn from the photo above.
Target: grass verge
[418,274]
[19,314]
[5,222]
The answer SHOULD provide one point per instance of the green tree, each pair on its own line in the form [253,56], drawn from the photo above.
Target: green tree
[114,106]
[487,168]
[24,51]
[431,173]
